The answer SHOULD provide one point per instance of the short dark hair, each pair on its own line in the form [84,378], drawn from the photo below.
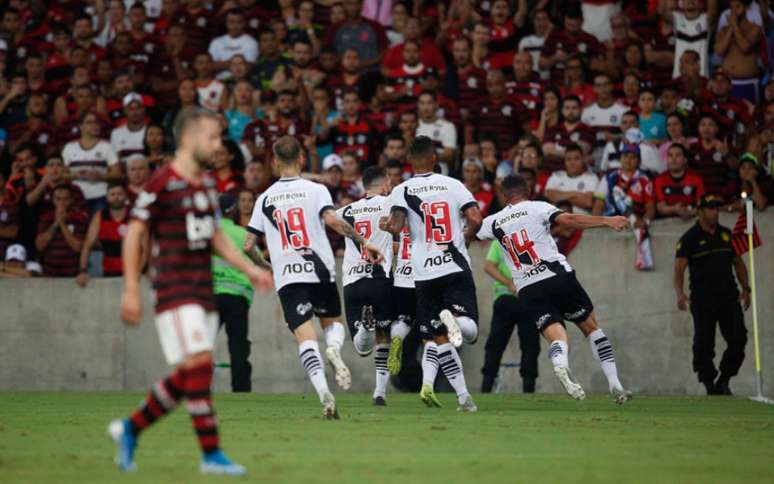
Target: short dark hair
[682,148]
[189,117]
[631,113]
[514,185]
[428,92]
[571,97]
[394,136]
[573,147]
[115,183]
[373,175]
[421,147]
[392,164]
[286,150]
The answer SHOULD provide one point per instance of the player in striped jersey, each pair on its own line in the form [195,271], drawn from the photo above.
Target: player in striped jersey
[368,297]
[179,208]
[546,283]
[433,207]
[292,214]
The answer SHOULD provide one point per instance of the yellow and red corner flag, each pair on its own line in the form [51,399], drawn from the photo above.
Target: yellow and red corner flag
[739,235]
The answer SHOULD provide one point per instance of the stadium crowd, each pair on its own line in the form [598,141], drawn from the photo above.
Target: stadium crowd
[634,108]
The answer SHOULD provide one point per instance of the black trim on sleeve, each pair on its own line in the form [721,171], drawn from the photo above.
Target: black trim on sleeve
[327,207]
[552,218]
[468,205]
[253,231]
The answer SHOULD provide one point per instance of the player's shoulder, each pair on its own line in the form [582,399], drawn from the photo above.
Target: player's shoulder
[160,178]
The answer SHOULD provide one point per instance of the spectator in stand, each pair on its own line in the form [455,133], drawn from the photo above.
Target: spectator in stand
[406,83]
[733,114]
[627,191]
[137,174]
[470,81]
[678,190]
[198,21]
[691,30]
[227,179]
[9,216]
[525,86]
[691,84]
[353,132]
[549,115]
[106,232]
[351,178]
[359,33]
[531,158]
[562,43]
[187,99]
[155,145]
[257,177]
[172,63]
[282,119]
[394,172]
[739,45]
[129,139]
[575,184]
[576,80]
[40,197]
[429,55]
[753,181]
[269,61]
[631,86]
[711,158]
[323,118]
[649,155]
[348,79]
[652,123]
[473,178]
[604,115]
[569,130]
[92,163]
[242,109]
[210,91]
[675,130]
[394,32]
[503,39]
[498,114]
[407,124]
[533,44]
[60,236]
[234,42]
[16,264]
[442,132]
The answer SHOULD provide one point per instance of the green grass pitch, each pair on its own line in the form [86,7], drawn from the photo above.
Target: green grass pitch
[60,438]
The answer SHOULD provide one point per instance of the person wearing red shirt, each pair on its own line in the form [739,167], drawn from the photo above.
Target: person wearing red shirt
[576,82]
[473,178]
[60,236]
[145,42]
[226,179]
[569,130]
[430,55]
[353,133]
[525,86]
[691,84]
[41,195]
[678,190]
[732,113]
[406,83]
[348,78]
[498,114]
[710,158]
[259,135]
[562,43]
[470,80]
[83,36]
[199,23]
[502,41]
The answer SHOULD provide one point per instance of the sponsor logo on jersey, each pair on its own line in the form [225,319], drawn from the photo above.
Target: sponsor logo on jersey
[298,268]
[438,260]
[427,189]
[285,198]
[510,217]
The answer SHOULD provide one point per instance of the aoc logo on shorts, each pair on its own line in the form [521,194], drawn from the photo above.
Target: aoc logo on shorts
[304,308]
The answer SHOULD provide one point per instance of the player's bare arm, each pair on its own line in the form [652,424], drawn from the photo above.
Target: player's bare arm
[394,223]
[474,218]
[222,245]
[342,227]
[131,302]
[580,221]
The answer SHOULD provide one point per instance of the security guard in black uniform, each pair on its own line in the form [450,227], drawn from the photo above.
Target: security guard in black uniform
[707,252]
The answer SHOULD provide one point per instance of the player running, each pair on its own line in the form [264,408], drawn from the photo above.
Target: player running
[179,209]
[292,214]
[433,205]
[368,287]
[546,283]
[404,299]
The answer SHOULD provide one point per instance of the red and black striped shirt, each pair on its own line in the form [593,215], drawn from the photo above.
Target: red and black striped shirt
[711,165]
[111,234]
[182,219]
[58,258]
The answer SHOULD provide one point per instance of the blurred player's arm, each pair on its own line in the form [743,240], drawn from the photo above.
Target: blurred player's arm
[474,219]
[88,243]
[395,222]
[131,303]
[342,227]
[222,245]
[581,222]
[250,246]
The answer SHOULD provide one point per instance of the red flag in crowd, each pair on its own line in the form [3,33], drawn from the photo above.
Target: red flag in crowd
[739,237]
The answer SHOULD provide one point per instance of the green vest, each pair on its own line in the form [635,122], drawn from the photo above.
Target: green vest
[226,278]
[496,257]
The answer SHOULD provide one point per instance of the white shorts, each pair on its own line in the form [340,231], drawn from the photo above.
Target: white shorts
[185,331]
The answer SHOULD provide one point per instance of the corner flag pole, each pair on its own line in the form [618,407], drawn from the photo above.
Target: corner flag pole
[748,205]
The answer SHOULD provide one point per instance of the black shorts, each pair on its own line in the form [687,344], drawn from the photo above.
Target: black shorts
[555,300]
[405,303]
[369,292]
[301,302]
[455,292]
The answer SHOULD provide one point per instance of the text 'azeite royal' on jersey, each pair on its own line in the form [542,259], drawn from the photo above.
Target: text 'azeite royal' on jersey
[434,204]
[288,213]
[524,231]
[364,216]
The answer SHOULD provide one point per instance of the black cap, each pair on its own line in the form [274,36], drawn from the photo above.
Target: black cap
[710,201]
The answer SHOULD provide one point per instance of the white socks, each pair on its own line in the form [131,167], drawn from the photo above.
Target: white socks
[335,334]
[557,351]
[603,353]
[468,328]
[451,365]
[309,353]
[399,329]
[429,363]
[364,341]
[382,375]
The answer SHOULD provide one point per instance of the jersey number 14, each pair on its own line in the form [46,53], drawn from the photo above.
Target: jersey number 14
[522,251]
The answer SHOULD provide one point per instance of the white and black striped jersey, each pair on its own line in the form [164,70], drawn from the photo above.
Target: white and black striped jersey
[433,204]
[403,276]
[364,216]
[99,157]
[289,215]
[524,232]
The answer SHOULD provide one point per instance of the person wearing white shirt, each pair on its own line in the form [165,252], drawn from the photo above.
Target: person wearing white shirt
[533,44]
[575,184]
[650,157]
[442,132]
[129,139]
[604,115]
[236,41]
